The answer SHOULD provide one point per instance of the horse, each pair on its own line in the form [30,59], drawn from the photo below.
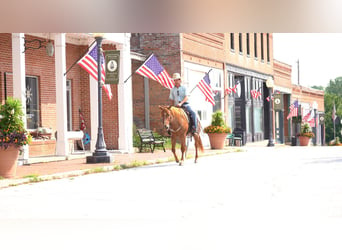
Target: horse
[176,121]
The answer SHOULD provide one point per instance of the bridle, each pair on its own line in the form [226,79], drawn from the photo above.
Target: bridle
[170,120]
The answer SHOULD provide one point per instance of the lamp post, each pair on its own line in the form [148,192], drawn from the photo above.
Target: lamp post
[100,154]
[270,85]
[315,106]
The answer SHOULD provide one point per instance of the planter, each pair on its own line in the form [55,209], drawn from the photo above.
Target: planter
[304,140]
[217,140]
[9,160]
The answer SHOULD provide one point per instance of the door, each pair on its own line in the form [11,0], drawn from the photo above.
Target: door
[279,126]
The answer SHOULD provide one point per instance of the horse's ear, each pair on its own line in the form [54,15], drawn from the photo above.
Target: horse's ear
[161,107]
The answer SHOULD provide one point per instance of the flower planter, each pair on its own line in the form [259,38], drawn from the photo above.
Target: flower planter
[304,140]
[217,140]
[9,161]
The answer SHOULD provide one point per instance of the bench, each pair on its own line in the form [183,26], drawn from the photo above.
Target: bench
[75,136]
[147,139]
[232,139]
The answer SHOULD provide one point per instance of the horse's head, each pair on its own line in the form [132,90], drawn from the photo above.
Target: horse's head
[166,115]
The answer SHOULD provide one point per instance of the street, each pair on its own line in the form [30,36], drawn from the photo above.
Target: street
[265,198]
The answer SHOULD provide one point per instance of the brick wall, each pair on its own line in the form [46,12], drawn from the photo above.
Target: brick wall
[166,46]
[39,65]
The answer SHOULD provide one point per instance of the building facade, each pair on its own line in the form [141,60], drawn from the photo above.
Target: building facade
[56,91]
[239,63]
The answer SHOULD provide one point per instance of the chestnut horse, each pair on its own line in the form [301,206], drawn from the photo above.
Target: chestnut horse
[176,120]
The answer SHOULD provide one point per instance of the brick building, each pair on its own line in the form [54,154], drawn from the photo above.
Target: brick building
[240,61]
[54,98]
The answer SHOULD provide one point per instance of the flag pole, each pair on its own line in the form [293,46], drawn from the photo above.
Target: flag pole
[334,117]
[79,58]
[139,67]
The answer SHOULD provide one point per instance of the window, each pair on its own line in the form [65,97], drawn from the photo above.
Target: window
[262,46]
[268,47]
[247,43]
[240,42]
[232,41]
[255,46]
[258,124]
[32,103]
[68,100]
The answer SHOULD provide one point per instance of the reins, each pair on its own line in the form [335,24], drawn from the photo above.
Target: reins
[172,130]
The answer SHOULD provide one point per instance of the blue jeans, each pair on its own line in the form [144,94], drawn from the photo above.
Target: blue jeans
[193,116]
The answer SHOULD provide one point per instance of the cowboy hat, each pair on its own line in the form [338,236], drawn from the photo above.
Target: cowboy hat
[176,76]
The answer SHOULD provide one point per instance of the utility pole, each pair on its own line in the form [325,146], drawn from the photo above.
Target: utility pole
[298,70]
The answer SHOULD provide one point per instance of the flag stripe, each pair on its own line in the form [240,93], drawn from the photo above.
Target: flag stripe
[152,69]
[206,89]
[89,63]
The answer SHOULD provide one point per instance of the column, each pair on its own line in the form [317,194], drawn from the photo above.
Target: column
[19,81]
[125,97]
[62,145]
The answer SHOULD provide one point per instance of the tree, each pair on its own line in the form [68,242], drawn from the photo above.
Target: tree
[333,94]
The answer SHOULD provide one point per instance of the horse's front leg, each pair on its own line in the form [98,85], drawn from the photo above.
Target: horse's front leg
[183,149]
[173,149]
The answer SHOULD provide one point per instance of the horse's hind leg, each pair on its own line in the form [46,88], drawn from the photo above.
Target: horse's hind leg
[196,144]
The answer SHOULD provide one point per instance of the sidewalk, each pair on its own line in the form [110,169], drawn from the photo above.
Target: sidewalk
[48,168]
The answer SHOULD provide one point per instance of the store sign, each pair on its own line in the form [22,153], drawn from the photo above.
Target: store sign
[278,102]
[321,118]
[112,61]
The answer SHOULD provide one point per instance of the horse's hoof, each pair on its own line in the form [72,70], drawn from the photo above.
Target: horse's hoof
[181,163]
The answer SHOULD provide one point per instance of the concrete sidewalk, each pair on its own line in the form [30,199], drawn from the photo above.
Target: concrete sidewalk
[48,168]
[54,167]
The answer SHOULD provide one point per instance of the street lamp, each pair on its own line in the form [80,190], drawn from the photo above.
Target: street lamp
[315,107]
[270,85]
[100,154]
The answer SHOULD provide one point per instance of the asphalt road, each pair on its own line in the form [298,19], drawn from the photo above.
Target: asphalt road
[265,198]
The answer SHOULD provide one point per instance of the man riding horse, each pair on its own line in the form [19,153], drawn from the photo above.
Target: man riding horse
[179,97]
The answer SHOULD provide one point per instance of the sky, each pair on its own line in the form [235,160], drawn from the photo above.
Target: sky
[319,55]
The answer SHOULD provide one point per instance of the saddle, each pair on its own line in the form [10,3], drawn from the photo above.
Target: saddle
[190,121]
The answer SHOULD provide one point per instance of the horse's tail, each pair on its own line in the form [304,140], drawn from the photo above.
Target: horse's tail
[198,143]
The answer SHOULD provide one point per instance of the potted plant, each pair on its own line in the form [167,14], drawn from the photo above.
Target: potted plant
[13,136]
[217,131]
[305,134]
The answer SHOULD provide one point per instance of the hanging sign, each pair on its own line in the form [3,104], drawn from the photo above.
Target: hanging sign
[278,102]
[112,60]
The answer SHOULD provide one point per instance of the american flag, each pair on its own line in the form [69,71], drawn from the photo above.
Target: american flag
[307,117]
[293,110]
[152,69]
[204,86]
[255,94]
[89,63]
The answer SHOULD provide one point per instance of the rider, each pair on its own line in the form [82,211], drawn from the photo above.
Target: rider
[179,97]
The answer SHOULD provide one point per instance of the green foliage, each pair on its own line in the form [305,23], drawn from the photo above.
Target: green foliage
[12,130]
[333,94]
[217,124]
[305,130]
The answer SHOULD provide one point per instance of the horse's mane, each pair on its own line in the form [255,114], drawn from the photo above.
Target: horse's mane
[178,112]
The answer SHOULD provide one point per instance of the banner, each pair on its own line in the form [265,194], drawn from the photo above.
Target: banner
[112,62]
[278,102]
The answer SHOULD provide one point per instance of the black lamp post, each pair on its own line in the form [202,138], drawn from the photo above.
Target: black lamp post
[270,85]
[100,154]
